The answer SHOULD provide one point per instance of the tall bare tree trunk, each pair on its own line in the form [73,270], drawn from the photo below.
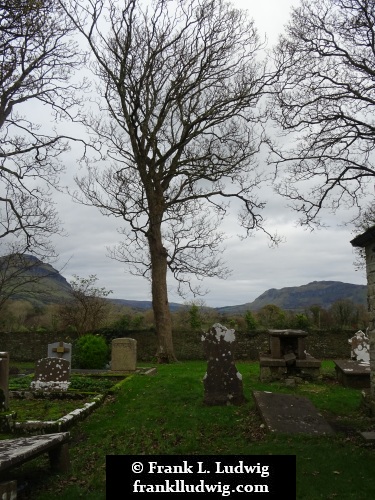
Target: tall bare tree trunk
[158,254]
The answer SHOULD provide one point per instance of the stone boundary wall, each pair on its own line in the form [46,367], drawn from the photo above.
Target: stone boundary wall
[31,346]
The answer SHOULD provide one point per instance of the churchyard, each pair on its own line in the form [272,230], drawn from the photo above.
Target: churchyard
[178,410]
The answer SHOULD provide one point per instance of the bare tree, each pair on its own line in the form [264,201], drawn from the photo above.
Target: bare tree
[325,103]
[38,55]
[88,307]
[180,124]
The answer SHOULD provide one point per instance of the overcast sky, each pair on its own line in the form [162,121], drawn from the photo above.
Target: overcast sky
[304,256]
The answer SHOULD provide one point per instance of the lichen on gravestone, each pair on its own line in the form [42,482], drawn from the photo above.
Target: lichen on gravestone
[222,381]
[51,374]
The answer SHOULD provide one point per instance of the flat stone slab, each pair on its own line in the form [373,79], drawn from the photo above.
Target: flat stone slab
[17,451]
[352,374]
[368,436]
[290,414]
[351,367]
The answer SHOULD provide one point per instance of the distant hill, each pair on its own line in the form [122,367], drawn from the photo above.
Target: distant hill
[31,279]
[54,288]
[323,293]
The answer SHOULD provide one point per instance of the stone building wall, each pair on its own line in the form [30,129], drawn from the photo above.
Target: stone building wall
[31,346]
[370,270]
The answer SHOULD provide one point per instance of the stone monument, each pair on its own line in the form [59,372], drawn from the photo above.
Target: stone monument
[287,357]
[124,355]
[360,351]
[222,381]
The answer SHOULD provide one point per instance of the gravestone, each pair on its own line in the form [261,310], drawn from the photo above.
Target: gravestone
[4,381]
[355,372]
[124,354]
[360,351]
[222,381]
[51,374]
[61,350]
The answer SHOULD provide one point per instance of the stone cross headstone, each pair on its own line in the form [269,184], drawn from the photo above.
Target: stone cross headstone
[360,351]
[124,354]
[62,350]
[4,381]
[51,374]
[222,381]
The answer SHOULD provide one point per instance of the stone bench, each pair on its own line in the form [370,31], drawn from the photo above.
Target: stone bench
[14,452]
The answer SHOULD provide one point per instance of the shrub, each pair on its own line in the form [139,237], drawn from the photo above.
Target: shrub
[90,352]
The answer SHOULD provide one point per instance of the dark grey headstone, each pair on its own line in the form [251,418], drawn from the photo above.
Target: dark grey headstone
[222,381]
[51,374]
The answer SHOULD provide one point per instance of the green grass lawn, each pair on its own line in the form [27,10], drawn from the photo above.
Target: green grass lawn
[165,414]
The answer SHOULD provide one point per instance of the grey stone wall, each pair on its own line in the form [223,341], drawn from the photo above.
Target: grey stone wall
[32,346]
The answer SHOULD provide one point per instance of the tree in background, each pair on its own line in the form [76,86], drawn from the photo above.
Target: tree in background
[316,311]
[88,309]
[37,58]
[180,84]
[325,98]
[345,314]
[300,321]
[271,316]
[251,322]
[194,317]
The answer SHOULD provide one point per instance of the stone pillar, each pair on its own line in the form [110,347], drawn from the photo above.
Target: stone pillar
[370,271]
[366,240]
[4,381]
[124,355]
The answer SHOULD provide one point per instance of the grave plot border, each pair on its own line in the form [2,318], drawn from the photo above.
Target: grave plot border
[51,426]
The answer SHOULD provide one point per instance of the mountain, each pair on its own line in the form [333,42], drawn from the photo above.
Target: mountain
[45,285]
[25,277]
[323,293]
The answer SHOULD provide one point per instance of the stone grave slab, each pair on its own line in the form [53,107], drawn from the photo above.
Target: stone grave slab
[352,374]
[51,374]
[290,414]
[15,452]
[369,437]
